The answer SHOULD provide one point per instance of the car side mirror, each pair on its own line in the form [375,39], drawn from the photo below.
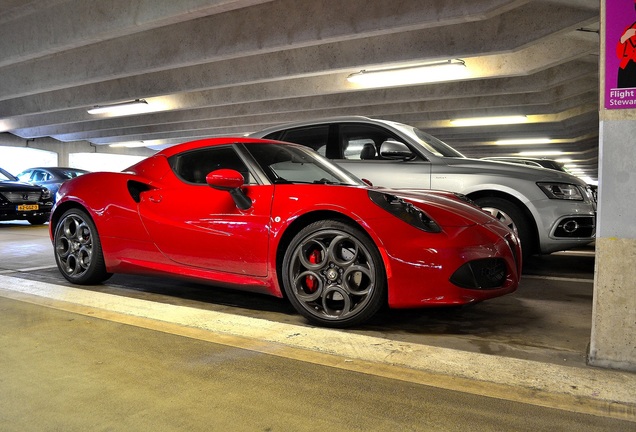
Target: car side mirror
[392,149]
[231,181]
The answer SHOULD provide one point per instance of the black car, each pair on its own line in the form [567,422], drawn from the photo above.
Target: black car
[23,201]
[49,177]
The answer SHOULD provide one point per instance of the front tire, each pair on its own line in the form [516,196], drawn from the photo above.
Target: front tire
[38,220]
[511,215]
[333,274]
[78,250]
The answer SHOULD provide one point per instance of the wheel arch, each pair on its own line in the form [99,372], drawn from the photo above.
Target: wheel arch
[63,208]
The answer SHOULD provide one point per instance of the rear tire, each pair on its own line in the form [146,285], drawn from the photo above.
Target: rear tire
[38,220]
[78,250]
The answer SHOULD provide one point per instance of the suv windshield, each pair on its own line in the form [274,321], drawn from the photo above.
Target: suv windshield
[429,142]
[296,164]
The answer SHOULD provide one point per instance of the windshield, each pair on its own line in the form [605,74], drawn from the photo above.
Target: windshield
[435,146]
[283,163]
[5,175]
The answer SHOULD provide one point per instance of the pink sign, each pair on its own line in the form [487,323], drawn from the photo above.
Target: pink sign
[620,54]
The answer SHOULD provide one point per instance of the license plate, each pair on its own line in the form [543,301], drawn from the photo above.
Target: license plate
[28,207]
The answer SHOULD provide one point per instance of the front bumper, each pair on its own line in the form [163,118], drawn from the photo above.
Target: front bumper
[9,212]
[449,267]
[564,225]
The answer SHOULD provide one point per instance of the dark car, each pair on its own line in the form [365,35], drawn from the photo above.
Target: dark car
[49,177]
[23,201]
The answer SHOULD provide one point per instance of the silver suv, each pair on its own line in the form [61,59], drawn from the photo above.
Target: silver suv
[549,210]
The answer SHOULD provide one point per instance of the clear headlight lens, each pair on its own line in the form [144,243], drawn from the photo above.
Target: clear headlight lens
[405,211]
[561,191]
[46,194]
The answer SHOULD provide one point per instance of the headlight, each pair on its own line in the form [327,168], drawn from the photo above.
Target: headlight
[405,211]
[46,194]
[561,191]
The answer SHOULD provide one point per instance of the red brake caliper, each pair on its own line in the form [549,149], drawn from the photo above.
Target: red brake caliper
[310,281]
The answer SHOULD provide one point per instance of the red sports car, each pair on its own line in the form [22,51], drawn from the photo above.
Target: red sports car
[278,218]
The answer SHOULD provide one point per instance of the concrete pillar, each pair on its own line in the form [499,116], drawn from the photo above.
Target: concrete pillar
[613,338]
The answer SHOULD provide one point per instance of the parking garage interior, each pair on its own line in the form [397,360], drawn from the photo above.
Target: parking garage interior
[203,68]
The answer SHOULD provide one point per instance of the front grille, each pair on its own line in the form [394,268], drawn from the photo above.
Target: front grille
[22,197]
[487,273]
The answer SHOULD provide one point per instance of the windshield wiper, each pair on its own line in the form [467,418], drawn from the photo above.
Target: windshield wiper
[326,181]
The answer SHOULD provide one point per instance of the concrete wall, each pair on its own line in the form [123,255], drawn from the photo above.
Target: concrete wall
[65,149]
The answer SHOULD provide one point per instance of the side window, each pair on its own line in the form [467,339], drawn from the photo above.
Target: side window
[362,142]
[41,176]
[26,176]
[194,166]
[315,137]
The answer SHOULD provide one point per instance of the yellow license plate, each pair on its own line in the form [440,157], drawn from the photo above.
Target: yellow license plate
[28,207]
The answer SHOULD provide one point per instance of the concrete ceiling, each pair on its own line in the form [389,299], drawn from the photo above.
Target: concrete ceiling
[219,67]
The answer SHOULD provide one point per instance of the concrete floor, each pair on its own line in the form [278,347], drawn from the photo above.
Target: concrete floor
[143,353]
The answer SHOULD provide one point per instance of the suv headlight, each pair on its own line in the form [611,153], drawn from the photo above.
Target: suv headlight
[405,211]
[561,191]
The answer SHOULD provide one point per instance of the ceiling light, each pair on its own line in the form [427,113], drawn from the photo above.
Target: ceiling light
[524,141]
[131,107]
[541,153]
[415,74]
[129,144]
[485,121]
[589,180]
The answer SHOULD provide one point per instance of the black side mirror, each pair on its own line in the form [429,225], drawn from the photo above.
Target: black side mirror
[230,180]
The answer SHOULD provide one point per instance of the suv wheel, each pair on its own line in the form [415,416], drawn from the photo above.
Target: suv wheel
[511,215]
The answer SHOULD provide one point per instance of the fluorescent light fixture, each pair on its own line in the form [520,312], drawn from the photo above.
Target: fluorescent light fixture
[129,144]
[575,170]
[589,180]
[524,141]
[124,108]
[416,74]
[485,121]
[541,153]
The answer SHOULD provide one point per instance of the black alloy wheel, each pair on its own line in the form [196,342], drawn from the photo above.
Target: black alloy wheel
[78,250]
[333,274]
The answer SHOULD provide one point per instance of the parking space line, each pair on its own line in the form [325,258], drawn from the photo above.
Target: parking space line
[557,278]
[27,269]
[576,252]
